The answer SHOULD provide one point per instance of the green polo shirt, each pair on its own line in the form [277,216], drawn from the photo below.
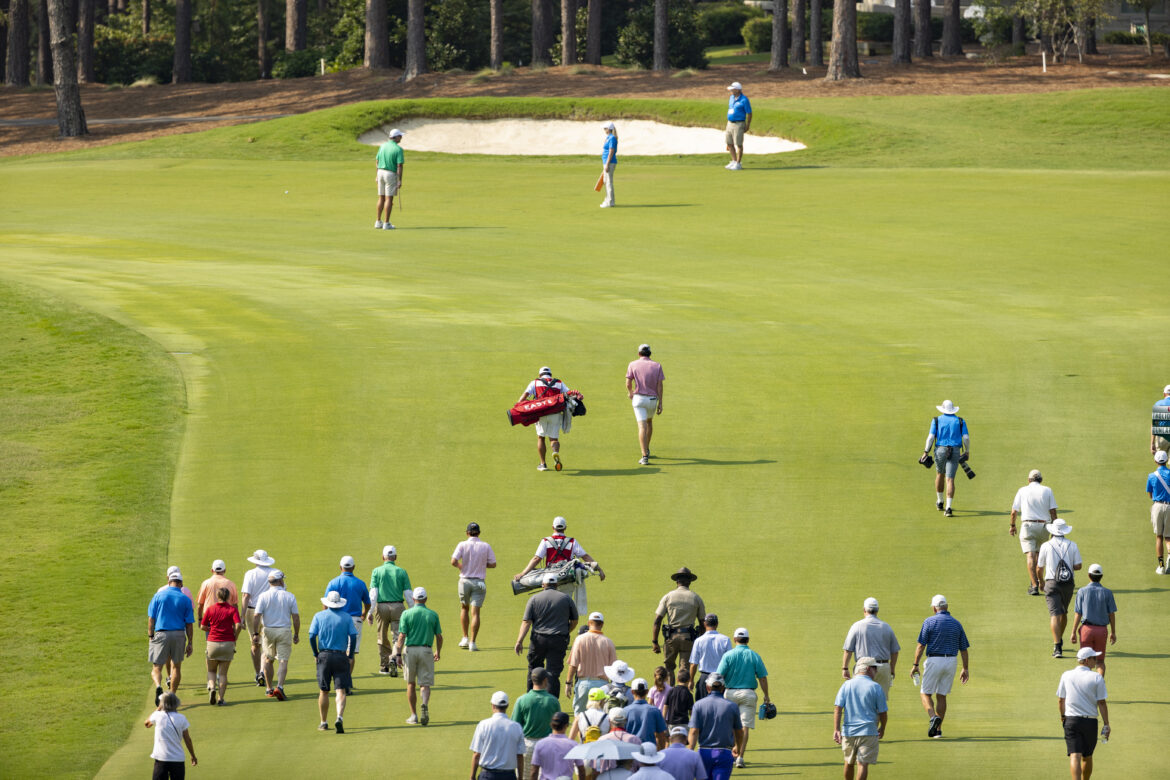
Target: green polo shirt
[390,156]
[534,711]
[419,624]
[390,581]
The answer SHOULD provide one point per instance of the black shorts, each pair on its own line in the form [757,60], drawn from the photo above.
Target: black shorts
[333,668]
[1080,735]
[1059,596]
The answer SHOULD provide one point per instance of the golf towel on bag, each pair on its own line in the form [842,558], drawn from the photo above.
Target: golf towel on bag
[527,412]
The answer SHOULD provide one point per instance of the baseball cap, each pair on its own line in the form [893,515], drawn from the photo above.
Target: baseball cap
[938,601]
[1086,652]
[639,684]
[473,528]
[715,679]
[171,570]
[711,619]
[174,575]
[1095,568]
[389,551]
[545,370]
[218,565]
[867,661]
[678,731]
[1160,456]
[499,699]
[643,346]
[596,617]
[275,574]
[1034,475]
[1166,390]
[420,593]
[741,633]
[598,694]
[608,126]
[559,523]
[870,603]
[548,578]
[617,715]
[396,133]
[735,85]
[347,562]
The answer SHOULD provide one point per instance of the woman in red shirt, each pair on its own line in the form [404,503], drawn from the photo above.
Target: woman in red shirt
[222,625]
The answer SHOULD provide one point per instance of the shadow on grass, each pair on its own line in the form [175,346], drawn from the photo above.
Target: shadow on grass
[657,206]
[1116,654]
[613,472]
[1019,738]
[452,227]
[1144,590]
[712,462]
[784,167]
[1143,702]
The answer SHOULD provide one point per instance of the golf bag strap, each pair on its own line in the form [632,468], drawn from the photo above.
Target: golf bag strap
[1164,485]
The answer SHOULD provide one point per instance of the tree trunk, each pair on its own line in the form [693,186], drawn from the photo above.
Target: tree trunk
[85,60]
[497,47]
[322,7]
[1091,36]
[295,25]
[799,34]
[121,6]
[146,17]
[3,41]
[816,38]
[901,32]
[1019,36]
[661,35]
[779,59]
[1149,39]
[181,70]
[16,73]
[377,56]
[568,32]
[542,31]
[923,35]
[593,33]
[952,44]
[843,49]
[44,55]
[416,43]
[262,62]
[70,116]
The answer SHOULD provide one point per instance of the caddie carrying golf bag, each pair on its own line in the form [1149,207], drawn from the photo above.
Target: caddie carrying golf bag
[567,572]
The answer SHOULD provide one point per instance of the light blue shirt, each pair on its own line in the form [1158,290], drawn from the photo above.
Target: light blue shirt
[680,762]
[741,667]
[708,650]
[644,720]
[352,589]
[948,430]
[738,107]
[1154,487]
[610,143]
[498,740]
[1094,603]
[861,699]
[171,609]
[333,628]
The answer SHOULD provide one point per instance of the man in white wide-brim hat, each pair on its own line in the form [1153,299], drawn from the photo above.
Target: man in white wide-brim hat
[332,636]
[1058,559]
[949,435]
[254,585]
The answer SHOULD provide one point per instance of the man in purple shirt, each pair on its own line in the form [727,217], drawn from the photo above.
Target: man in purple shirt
[472,557]
[644,387]
[679,761]
[548,757]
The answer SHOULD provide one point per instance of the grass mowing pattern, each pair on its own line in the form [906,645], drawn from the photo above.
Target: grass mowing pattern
[90,414]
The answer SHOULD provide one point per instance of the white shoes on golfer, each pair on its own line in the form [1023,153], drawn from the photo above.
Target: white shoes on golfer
[733,166]
[377,224]
[606,205]
[471,647]
[387,226]
[463,642]
[380,225]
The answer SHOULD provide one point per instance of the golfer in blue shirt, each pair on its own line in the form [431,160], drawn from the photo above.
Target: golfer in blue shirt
[357,598]
[609,161]
[739,121]
[1158,486]
[948,432]
[859,717]
[332,635]
[170,621]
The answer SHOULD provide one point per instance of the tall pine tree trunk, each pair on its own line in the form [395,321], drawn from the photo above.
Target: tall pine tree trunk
[568,32]
[16,73]
[3,41]
[85,22]
[70,116]
[923,34]
[295,24]
[1019,35]
[496,8]
[44,55]
[593,33]
[181,70]
[145,17]
[542,31]
[779,59]
[1091,36]
[263,64]
[661,35]
[901,32]
[377,53]
[798,32]
[816,36]
[952,43]
[843,50]
[416,43]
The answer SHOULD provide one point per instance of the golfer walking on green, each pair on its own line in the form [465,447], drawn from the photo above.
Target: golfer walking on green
[389,178]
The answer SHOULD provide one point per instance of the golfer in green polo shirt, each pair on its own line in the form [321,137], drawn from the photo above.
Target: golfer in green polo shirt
[389,178]
[534,711]
[419,628]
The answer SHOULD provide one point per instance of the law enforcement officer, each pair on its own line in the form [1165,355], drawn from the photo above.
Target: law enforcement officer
[678,616]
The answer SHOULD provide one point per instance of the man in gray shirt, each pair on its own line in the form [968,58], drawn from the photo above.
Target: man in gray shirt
[552,616]
[872,638]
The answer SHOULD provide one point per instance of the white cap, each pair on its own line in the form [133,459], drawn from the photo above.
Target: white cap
[617,715]
[735,85]
[559,524]
[275,574]
[643,347]
[741,633]
[499,699]
[549,578]
[639,684]
[420,593]
[218,565]
[171,570]
[333,600]
[596,617]
[1034,475]
[347,562]
[1166,390]
[608,126]
[389,551]
[678,731]
[870,603]
[1095,568]
[396,133]
[1160,457]
[545,370]
[1086,652]
[174,575]
[938,601]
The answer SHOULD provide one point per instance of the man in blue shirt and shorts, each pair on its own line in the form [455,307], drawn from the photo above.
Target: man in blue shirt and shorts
[859,718]
[357,600]
[332,636]
[170,626]
[739,121]
[948,432]
[1158,487]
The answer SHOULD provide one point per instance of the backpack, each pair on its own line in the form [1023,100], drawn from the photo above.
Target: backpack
[593,730]
[545,387]
[1064,572]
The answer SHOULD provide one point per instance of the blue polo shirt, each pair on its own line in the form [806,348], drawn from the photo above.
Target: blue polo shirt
[716,720]
[1094,603]
[861,699]
[610,143]
[738,107]
[1154,487]
[171,609]
[332,629]
[352,589]
[741,667]
[708,650]
[948,430]
[644,720]
[941,634]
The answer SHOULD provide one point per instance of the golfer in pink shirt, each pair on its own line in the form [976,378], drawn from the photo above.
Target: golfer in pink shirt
[644,386]
[472,557]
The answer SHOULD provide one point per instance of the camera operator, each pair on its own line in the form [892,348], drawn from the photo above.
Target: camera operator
[948,432]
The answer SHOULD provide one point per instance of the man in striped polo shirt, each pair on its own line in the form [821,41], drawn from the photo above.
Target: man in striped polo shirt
[941,638]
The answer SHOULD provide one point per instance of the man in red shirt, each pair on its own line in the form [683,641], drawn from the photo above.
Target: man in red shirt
[644,387]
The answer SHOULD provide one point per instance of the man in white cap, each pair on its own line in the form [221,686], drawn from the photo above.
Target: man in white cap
[1080,695]
[1095,616]
[742,670]
[649,757]
[644,719]
[559,548]
[859,718]
[472,557]
[592,652]
[278,623]
[948,432]
[739,122]
[548,426]
[390,591]
[357,600]
[389,160]
[332,636]
[186,592]
[497,747]
[608,161]
[941,638]
[679,761]
[1035,506]
[420,629]
[873,638]
[253,587]
[644,380]
[617,733]
[552,616]
[1160,429]
[170,627]
[1059,557]
[1158,488]
[206,599]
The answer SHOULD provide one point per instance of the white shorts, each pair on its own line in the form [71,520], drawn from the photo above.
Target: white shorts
[745,699]
[549,425]
[357,640]
[387,182]
[1032,535]
[938,674]
[644,407]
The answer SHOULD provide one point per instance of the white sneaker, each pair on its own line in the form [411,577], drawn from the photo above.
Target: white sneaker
[606,205]
[412,720]
[542,467]
[387,226]
[730,166]
[377,224]
[471,647]
[463,642]
[1160,570]
[738,167]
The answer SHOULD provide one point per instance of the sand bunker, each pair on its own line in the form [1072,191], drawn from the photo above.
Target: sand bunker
[565,137]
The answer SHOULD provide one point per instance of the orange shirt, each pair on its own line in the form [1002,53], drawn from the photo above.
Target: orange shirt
[210,585]
[591,653]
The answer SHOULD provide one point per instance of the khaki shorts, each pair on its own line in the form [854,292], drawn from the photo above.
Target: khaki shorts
[357,640]
[1032,535]
[746,699]
[883,678]
[250,621]
[860,750]
[277,643]
[221,651]
[1160,517]
[472,591]
[420,666]
[387,182]
[167,646]
[549,425]
[734,134]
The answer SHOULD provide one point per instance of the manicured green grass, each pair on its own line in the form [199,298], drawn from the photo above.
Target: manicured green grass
[733,55]
[346,390]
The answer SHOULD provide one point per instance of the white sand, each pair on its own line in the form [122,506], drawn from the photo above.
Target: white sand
[565,137]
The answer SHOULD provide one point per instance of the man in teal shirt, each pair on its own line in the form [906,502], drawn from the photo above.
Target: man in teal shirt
[389,178]
[390,594]
[534,711]
[742,669]
[420,629]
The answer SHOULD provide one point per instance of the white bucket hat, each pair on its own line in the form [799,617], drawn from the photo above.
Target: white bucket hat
[619,671]
[260,558]
[1058,527]
[947,408]
[333,600]
[649,754]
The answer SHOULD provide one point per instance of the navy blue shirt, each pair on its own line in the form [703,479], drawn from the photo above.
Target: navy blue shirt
[352,589]
[941,634]
[644,720]
[332,628]
[717,720]
[171,609]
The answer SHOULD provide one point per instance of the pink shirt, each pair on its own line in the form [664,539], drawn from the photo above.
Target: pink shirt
[475,554]
[657,697]
[647,376]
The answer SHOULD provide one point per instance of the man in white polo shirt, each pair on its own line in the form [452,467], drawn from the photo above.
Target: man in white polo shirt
[1080,694]
[644,379]
[472,557]
[548,426]
[279,625]
[254,585]
[1035,506]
